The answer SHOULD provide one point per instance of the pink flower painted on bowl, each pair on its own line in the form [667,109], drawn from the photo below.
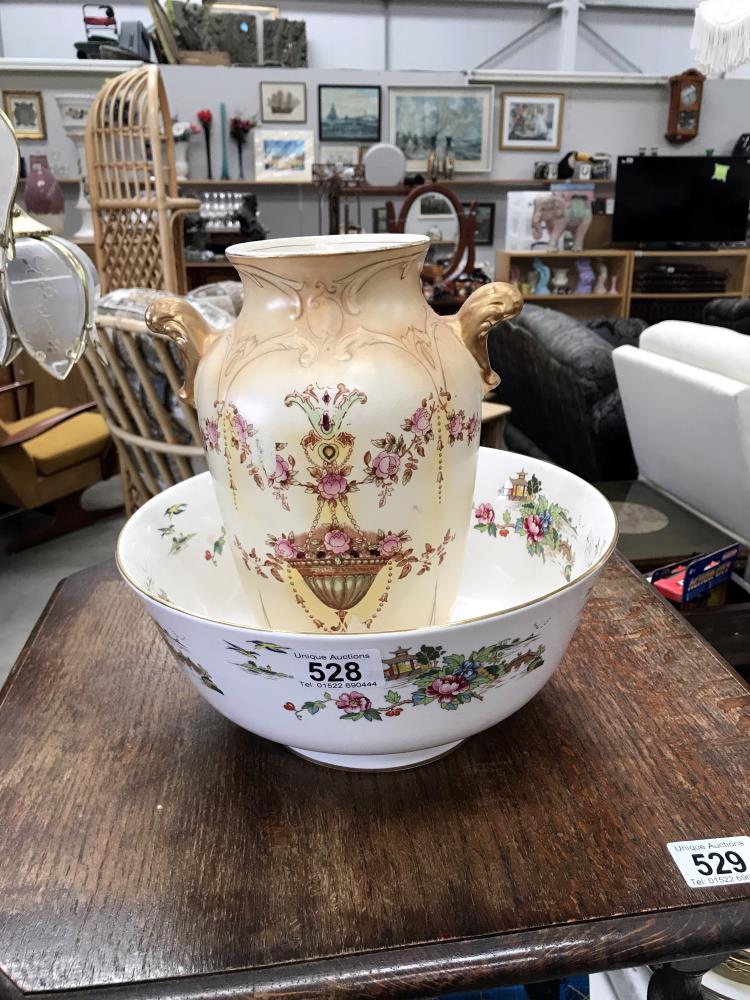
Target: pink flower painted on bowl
[337,541]
[533,527]
[420,422]
[445,689]
[353,701]
[284,548]
[389,545]
[211,434]
[455,424]
[332,486]
[472,427]
[385,465]
[485,513]
[241,428]
[281,472]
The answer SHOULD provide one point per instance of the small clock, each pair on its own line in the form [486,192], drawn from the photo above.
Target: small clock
[685,94]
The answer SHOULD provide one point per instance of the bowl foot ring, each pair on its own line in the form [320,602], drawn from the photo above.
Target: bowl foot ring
[377,762]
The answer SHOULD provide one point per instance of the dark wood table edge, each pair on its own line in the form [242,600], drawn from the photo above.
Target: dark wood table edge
[26,648]
[450,966]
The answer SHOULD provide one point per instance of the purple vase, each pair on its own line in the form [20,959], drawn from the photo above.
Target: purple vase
[586,277]
[43,195]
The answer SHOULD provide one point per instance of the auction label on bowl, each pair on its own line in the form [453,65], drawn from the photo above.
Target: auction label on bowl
[339,671]
[719,861]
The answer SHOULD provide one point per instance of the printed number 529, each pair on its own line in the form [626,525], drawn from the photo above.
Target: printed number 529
[716,863]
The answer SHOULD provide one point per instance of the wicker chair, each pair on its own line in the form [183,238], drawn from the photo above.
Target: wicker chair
[133,185]
[134,377]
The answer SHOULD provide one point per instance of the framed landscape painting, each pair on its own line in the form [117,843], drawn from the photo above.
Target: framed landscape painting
[283,102]
[348,113]
[462,114]
[531,121]
[285,155]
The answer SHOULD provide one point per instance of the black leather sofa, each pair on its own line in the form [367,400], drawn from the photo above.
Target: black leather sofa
[734,314]
[558,376]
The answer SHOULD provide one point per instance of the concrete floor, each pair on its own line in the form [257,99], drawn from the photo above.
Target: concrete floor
[28,578]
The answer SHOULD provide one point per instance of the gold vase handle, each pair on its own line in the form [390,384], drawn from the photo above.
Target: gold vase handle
[183,324]
[482,310]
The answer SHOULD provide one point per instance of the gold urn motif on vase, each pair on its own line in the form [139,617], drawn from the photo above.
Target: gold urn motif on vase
[341,421]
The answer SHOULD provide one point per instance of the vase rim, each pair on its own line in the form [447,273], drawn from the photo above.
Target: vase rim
[325,246]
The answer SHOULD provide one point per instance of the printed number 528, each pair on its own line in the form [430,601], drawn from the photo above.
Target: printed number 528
[334,671]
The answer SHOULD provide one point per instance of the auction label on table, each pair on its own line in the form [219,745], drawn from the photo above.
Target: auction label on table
[704,863]
[339,671]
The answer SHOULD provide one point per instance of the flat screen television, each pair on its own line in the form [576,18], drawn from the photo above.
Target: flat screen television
[681,199]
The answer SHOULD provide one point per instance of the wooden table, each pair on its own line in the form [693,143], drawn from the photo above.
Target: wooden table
[152,849]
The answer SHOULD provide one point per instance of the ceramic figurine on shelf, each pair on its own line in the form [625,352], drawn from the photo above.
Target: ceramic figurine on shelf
[532,277]
[433,162]
[613,285]
[602,273]
[560,281]
[345,474]
[449,163]
[515,274]
[543,276]
[586,277]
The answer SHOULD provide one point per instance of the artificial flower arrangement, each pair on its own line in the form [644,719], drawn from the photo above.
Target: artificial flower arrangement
[184,131]
[205,118]
[239,129]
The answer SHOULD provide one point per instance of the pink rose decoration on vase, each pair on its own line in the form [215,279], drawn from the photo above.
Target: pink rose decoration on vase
[353,702]
[445,689]
[241,427]
[211,434]
[389,545]
[337,541]
[332,485]
[472,427]
[420,422]
[385,465]
[455,424]
[281,472]
[533,527]
[285,549]
[485,513]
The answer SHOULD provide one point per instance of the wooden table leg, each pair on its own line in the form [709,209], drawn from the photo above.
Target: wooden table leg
[681,980]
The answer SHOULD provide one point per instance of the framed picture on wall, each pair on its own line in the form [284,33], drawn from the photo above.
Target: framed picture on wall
[380,219]
[421,115]
[283,102]
[531,121]
[485,217]
[347,156]
[25,108]
[285,155]
[348,113]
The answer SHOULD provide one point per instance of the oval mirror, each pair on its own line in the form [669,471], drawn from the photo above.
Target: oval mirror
[432,214]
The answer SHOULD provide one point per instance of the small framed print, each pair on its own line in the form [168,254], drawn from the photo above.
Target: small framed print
[531,121]
[283,102]
[348,156]
[25,108]
[485,219]
[285,155]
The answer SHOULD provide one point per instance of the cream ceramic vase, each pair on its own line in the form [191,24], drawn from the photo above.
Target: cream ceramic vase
[341,421]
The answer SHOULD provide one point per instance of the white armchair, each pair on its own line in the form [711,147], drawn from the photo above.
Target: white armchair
[686,395]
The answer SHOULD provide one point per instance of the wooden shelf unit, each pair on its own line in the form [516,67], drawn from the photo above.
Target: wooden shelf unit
[611,304]
[498,182]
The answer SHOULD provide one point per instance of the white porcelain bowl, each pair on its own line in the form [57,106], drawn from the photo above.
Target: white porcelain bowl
[381,700]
